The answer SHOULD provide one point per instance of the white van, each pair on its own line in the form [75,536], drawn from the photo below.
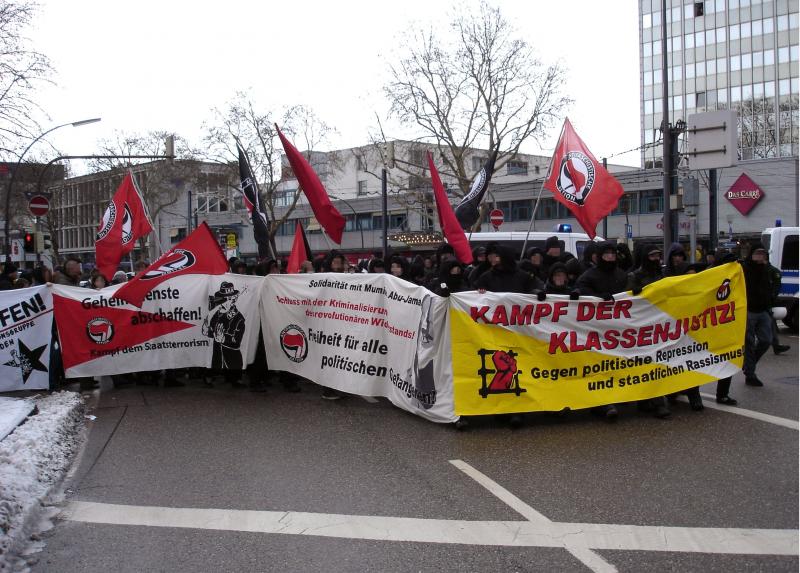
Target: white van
[782,245]
[573,243]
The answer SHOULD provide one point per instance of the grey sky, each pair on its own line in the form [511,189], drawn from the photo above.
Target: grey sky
[163,65]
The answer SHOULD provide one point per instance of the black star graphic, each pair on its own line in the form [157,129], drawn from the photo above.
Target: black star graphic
[30,360]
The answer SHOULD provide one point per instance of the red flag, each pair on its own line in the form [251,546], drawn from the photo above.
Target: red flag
[324,211]
[579,182]
[447,219]
[197,254]
[300,251]
[124,221]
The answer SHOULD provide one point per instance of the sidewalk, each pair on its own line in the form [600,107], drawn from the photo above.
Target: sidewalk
[33,460]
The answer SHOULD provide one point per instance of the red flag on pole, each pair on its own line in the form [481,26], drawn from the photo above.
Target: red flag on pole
[324,211]
[300,250]
[579,182]
[447,219]
[199,253]
[124,221]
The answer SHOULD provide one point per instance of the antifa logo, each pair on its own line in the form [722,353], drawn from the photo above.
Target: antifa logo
[294,343]
[108,221]
[179,260]
[127,226]
[100,330]
[724,290]
[506,375]
[575,177]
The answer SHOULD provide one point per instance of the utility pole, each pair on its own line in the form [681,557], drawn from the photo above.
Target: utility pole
[385,211]
[605,219]
[666,131]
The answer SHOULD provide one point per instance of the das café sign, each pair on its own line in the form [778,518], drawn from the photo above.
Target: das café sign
[744,194]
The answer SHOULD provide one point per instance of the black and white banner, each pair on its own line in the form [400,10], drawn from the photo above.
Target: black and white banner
[26,323]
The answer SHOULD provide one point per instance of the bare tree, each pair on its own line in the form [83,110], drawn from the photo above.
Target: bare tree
[481,86]
[255,129]
[22,71]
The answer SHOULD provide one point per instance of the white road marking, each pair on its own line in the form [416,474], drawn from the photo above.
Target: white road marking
[588,557]
[597,536]
[370,399]
[711,402]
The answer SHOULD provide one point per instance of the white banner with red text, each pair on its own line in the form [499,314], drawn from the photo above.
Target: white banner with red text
[26,327]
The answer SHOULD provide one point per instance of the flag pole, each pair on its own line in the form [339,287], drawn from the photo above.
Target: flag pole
[533,216]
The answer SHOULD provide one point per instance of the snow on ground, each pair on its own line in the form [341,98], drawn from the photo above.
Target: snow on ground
[34,459]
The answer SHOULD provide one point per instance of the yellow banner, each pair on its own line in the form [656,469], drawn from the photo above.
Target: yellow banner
[513,353]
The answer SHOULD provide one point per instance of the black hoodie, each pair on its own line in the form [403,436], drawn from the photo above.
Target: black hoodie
[505,277]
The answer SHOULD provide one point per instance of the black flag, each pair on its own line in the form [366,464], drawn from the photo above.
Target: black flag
[467,212]
[252,200]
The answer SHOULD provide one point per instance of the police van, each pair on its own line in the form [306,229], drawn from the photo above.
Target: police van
[782,245]
[571,242]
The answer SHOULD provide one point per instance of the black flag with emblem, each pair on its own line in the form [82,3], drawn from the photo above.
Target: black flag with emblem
[468,211]
[252,200]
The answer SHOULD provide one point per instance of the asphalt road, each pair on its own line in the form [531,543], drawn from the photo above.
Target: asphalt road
[226,449]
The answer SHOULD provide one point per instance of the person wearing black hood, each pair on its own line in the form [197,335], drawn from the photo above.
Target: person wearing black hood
[504,276]
[533,264]
[605,279]
[451,279]
[398,266]
[675,261]
[553,250]
[480,264]
[648,272]
[8,276]
[573,267]
[758,337]
[722,256]
[590,255]
[557,281]
[624,257]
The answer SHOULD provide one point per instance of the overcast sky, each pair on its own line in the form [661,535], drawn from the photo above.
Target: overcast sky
[163,65]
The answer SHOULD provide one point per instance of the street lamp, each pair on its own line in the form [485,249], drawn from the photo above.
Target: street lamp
[7,238]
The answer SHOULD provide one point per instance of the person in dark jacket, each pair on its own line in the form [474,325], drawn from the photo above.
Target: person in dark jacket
[590,254]
[480,264]
[398,266]
[557,280]
[533,264]
[573,267]
[758,337]
[553,250]
[504,276]
[648,272]
[451,279]
[605,279]
[675,261]
[624,257]
[722,256]
[8,276]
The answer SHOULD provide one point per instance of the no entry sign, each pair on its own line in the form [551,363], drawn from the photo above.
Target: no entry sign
[38,206]
[496,218]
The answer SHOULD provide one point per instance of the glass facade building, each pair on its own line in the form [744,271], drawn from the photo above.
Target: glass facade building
[722,54]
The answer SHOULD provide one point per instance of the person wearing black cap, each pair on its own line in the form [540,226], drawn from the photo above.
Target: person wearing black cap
[8,276]
[553,250]
[605,279]
[480,265]
[758,337]
[675,261]
[534,263]
[649,270]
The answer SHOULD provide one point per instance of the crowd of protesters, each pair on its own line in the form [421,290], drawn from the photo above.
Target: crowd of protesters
[604,270]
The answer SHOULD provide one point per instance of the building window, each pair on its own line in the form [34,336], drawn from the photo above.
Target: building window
[478,163]
[362,188]
[517,168]
[651,201]
[700,99]
[627,205]
[284,198]
[698,9]
[360,163]
[362,223]
[397,221]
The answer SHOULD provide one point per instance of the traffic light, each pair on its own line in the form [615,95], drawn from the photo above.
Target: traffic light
[47,243]
[29,242]
[38,242]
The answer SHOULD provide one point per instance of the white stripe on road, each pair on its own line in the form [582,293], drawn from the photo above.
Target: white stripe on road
[588,557]
[712,404]
[489,533]
[370,399]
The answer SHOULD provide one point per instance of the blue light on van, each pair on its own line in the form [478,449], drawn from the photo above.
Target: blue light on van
[562,228]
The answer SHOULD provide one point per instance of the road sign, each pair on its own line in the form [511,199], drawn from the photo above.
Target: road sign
[496,218]
[38,205]
[712,140]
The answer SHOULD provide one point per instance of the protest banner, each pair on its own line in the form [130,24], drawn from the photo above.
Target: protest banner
[26,323]
[371,335]
[512,353]
[186,321]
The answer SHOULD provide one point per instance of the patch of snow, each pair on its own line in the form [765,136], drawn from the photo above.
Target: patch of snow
[34,459]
